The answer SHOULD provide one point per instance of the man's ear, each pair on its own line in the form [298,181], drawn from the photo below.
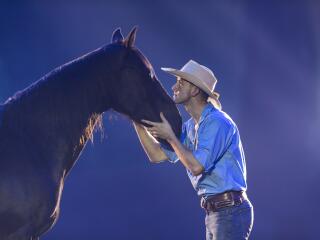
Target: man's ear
[195,91]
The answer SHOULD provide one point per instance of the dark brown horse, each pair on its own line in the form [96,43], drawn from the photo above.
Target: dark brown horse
[44,128]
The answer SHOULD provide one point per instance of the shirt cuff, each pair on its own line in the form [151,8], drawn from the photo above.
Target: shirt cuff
[171,155]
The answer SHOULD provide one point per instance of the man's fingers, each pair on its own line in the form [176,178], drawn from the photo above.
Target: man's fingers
[153,133]
[152,129]
[149,122]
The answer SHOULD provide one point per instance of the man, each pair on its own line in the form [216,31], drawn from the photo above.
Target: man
[210,149]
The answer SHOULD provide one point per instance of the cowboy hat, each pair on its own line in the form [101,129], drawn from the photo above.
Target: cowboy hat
[200,76]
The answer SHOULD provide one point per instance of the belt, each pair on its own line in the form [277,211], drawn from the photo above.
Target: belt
[222,200]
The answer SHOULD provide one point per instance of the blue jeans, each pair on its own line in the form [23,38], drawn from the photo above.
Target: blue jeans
[230,223]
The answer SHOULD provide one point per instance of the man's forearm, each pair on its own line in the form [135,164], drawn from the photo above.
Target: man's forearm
[186,157]
[149,144]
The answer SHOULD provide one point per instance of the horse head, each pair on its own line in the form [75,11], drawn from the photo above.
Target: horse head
[138,93]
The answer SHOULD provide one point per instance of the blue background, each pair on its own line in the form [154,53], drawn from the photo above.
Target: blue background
[266,55]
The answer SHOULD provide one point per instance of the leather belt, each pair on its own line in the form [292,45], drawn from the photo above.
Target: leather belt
[222,200]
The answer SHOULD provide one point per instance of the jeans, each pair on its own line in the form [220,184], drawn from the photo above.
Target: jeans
[230,223]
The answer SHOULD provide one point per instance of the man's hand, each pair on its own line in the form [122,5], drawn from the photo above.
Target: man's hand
[163,130]
[160,129]
[150,145]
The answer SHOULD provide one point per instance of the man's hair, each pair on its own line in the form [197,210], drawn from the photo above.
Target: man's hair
[203,95]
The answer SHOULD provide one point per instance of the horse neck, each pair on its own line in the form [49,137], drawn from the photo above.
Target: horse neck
[61,107]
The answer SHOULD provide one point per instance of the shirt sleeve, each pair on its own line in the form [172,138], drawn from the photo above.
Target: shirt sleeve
[213,141]
[171,155]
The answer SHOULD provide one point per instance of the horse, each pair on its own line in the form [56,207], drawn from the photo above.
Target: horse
[45,127]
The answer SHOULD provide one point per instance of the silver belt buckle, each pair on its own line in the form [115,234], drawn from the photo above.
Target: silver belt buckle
[222,204]
[203,202]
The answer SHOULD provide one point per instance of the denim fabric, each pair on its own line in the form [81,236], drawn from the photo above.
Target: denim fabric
[230,223]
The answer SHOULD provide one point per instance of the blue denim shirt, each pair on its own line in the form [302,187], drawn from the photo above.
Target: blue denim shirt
[217,146]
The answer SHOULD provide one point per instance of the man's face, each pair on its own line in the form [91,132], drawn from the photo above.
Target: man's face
[181,91]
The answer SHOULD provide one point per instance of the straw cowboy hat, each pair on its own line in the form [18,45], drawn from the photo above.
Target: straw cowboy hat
[200,76]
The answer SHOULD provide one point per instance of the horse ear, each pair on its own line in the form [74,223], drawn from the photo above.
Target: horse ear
[117,36]
[129,41]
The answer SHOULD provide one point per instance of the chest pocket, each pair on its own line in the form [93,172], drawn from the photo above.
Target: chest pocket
[192,138]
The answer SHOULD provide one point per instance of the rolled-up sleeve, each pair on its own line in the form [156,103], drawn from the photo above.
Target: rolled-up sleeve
[213,141]
[171,155]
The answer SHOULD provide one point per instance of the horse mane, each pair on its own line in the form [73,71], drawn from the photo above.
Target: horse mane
[95,124]
[20,103]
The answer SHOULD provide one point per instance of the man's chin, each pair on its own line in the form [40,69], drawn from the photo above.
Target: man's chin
[176,101]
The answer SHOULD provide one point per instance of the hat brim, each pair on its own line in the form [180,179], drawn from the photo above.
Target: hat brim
[213,96]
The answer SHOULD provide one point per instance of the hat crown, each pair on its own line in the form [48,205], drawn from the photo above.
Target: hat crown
[201,72]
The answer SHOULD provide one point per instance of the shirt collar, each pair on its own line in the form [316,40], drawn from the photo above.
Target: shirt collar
[206,110]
